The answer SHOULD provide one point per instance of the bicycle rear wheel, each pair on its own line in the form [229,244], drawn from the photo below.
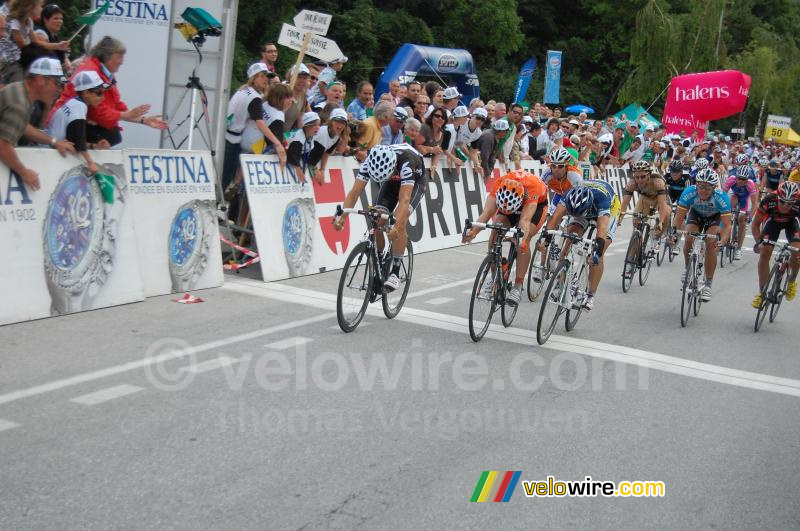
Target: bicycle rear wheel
[687,292]
[578,291]
[765,298]
[355,286]
[534,287]
[481,308]
[645,256]
[674,249]
[778,290]
[393,301]
[551,307]
[509,311]
[631,259]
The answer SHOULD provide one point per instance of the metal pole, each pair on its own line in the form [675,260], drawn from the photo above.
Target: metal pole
[224,81]
[191,114]
[757,132]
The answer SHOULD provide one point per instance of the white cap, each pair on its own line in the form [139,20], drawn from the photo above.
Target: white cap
[650,127]
[256,68]
[480,111]
[451,93]
[500,125]
[303,70]
[338,114]
[310,118]
[460,112]
[574,122]
[88,79]
[342,59]
[607,138]
[47,66]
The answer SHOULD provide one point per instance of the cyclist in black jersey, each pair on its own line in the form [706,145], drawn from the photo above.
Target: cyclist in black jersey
[677,181]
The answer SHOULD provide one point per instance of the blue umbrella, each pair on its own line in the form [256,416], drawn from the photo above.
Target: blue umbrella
[579,108]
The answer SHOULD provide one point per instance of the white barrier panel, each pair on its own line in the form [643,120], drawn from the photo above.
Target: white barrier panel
[294,223]
[65,248]
[172,193]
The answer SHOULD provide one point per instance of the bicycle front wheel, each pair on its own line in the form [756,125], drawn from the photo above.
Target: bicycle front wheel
[355,286]
[631,259]
[482,306]
[687,292]
[393,301]
[534,286]
[509,311]
[778,290]
[578,288]
[551,307]
[765,297]
[645,256]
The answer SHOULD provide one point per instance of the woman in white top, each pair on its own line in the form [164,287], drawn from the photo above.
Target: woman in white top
[268,128]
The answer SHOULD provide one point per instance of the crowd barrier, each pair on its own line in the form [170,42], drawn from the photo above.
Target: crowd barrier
[81,243]
[293,222]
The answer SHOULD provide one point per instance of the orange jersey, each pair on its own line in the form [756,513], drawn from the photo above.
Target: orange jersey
[560,187]
[535,189]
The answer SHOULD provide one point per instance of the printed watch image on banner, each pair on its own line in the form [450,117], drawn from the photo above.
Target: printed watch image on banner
[298,231]
[79,235]
[190,234]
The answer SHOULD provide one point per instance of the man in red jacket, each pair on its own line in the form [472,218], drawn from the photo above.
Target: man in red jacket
[103,128]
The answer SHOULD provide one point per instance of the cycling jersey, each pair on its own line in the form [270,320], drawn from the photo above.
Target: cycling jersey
[605,201]
[560,186]
[718,203]
[676,188]
[650,190]
[409,167]
[773,179]
[795,176]
[768,208]
[741,192]
[535,189]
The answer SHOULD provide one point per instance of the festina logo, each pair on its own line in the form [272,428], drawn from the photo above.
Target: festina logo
[701,93]
[134,9]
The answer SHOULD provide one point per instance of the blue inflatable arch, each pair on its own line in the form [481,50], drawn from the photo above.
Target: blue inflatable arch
[449,66]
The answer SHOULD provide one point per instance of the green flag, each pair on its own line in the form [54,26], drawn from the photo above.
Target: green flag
[106,183]
[93,16]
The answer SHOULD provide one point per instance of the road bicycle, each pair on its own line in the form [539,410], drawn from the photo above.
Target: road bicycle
[666,249]
[568,287]
[641,251]
[367,268]
[693,281]
[777,282]
[534,287]
[495,277]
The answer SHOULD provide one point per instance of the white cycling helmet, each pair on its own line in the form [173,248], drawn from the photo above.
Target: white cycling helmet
[381,162]
[641,165]
[510,196]
[701,164]
[560,156]
[708,176]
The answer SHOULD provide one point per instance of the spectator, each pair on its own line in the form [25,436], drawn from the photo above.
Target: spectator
[334,96]
[609,125]
[411,130]
[392,133]
[437,101]
[69,122]
[269,56]
[429,141]
[19,34]
[557,112]
[105,58]
[371,132]
[270,123]
[394,86]
[327,77]
[467,136]
[387,97]
[487,145]
[449,141]
[539,142]
[474,104]
[490,110]
[421,107]
[301,144]
[43,82]
[328,140]
[361,106]
[430,88]
[450,98]
[552,127]
[294,114]
[413,91]
[48,27]
[401,94]
[499,110]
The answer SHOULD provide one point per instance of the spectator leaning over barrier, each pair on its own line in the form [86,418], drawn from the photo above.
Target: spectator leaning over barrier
[371,132]
[301,144]
[19,34]
[327,142]
[105,58]
[69,122]
[460,117]
[43,82]
[269,56]
[467,136]
[487,145]
[392,133]
[361,106]
[299,106]
[411,130]
[265,134]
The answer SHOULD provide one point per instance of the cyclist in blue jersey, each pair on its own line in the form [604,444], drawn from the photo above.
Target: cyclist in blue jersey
[699,164]
[677,180]
[708,207]
[590,202]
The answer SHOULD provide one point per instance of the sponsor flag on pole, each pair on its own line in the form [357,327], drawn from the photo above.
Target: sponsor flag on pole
[552,81]
[524,79]
[94,15]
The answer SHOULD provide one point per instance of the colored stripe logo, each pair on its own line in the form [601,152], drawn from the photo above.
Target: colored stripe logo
[496,486]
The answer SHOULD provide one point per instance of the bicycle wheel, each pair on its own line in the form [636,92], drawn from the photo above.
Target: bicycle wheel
[645,256]
[393,301]
[674,249]
[696,289]
[551,307]
[778,290]
[631,259]
[534,287]
[355,286]
[733,245]
[481,308]
[578,287]
[765,297]
[662,251]
[687,292]
[509,311]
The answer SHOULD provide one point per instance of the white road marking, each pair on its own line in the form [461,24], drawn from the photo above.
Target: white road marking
[288,343]
[414,294]
[210,365]
[439,300]
[7,425]
[138,364]
[105,395]
[633,356]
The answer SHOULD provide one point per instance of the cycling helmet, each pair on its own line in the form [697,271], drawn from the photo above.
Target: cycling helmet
[774,163]
[789,192]
[560,156]
[701,164]
[743,172]
[708,176]
[641,165]
[675,166]
[741,158]
[578,199]
[510,195]
[381,162]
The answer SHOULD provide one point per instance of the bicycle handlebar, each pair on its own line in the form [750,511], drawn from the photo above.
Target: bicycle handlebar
[370,212]
[699,235]
[513,231]
[570,236]
[783,244]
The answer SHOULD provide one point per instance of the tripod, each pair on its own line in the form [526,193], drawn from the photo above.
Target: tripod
[195,88]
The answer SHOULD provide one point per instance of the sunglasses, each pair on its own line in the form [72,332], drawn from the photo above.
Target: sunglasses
[439,116]
[96,92]
[560,166]
[705,187]
[480,118]
[785,202]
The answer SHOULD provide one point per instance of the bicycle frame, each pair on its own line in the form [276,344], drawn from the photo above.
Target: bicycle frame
[501,232]
[373,218]
[581,248]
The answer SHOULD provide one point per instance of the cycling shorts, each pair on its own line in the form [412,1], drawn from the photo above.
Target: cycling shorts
[389,194]
[537,216]
[585,223]
[702,222]
[772,230]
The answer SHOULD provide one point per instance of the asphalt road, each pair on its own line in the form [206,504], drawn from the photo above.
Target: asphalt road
[268,417]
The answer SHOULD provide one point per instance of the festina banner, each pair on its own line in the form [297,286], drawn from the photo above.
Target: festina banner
[524,79]
[709,95]
[552,80]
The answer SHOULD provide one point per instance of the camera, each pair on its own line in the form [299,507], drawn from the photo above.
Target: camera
[198,25]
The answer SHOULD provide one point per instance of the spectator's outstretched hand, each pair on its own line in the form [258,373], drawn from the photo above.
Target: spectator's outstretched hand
[155,122]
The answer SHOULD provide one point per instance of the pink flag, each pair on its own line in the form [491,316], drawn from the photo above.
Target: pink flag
[709,95]
[679,122]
